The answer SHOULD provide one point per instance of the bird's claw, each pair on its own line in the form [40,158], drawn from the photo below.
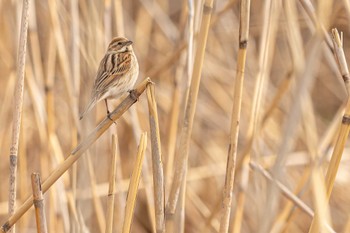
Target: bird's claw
[133,95]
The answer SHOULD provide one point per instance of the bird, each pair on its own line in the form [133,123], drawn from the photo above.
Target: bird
[116,75]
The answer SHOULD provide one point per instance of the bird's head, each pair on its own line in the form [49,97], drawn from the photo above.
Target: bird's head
[120,45]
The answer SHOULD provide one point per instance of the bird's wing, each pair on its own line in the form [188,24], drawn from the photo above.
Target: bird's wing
[112,68]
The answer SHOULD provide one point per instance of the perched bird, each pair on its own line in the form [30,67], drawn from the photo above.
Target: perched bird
[117,73]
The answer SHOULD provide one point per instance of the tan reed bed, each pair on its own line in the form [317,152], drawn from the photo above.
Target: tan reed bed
[66,39]
[79,151]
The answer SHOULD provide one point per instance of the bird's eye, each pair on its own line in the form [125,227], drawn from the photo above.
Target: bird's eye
[119,43]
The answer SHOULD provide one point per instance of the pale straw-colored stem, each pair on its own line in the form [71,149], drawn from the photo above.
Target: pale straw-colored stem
[111,188]
[18,103]
[38,201]
[235,117]
[157,164]
[182,155]
[134,184]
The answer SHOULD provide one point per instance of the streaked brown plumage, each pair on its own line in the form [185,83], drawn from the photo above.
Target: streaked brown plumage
[117,73]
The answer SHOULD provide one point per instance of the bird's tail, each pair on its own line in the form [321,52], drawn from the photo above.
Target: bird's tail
[88,108]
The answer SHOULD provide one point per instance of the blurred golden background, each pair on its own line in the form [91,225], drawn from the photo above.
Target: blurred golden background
[292,105]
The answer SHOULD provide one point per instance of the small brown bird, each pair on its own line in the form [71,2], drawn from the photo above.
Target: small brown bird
[117,73]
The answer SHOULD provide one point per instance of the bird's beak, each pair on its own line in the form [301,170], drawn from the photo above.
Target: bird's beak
[128,43]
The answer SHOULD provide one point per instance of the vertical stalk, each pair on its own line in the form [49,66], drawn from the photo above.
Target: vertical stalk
[157,164]
[182,154]
[134,184]
[38,201]
[344,129]
[111,188]
[235,118]
[17,113]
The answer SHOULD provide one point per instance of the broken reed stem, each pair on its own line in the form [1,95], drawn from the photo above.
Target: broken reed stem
[235,118]
[79,150]
[134,184]
[38,201]
[111,188]
[182,152]
[345,124]
[157,164]
[17,112]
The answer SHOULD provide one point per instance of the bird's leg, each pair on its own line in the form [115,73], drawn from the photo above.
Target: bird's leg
[107,107]
[108,113]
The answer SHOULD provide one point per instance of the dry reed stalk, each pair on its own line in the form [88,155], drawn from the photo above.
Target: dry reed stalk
[305,80]
[162,19]
[190,48]
[118,10]
[287,193]
[182,154]
[22,167]
[157,164]
[111,188]
[75,40]
[235,117]
[143,32]
[35,44]
[74,212]
[17,112]
[79,150]
[120,199]
[203,209]
[146,181]
[107,19]
[285,217]
[134,184]
[172,132]
[167,62]
[101,219]
[317,183]
[270,17]
[63,58]
[38,201]
[345,126]
[52,218]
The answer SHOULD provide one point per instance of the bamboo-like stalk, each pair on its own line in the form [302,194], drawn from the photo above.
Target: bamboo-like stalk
[157,164]
[38,201]
[79,150]
[111,189]
[235,118]
[181,161]
[134,184]
[17,113]
[345,125]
